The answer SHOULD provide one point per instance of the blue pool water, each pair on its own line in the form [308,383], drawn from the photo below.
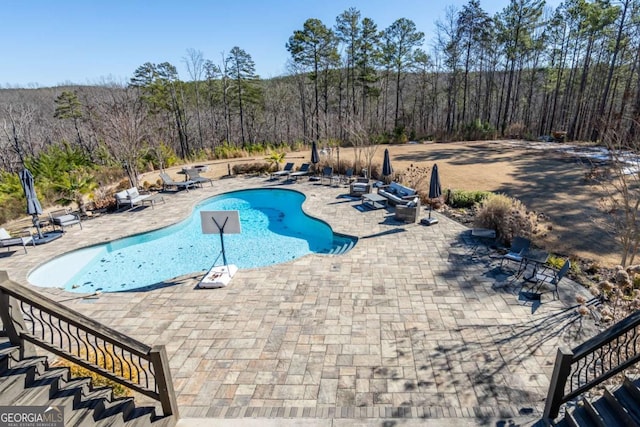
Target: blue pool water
[274,230]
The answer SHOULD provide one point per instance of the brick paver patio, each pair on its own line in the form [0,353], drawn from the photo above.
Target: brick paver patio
[407,324]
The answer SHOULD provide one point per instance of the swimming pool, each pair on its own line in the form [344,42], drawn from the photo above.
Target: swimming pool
[274,230]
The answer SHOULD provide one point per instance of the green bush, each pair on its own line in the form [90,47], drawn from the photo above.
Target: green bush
[477,130]
[226,151]
[466,199]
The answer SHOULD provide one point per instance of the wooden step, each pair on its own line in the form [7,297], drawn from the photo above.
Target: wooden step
[623,403]
[578,417]
[608,416]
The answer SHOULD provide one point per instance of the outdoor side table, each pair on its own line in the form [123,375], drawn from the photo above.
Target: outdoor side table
[482,237]
[535,259]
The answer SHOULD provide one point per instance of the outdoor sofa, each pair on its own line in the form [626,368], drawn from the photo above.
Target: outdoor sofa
[398,194]
[130,197]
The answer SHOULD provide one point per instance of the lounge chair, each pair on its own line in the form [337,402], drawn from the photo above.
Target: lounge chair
[194,175]
[7,240]
[288,168]
[64,218]
[327,173]
[304,170]
[167,182]
[552,277]
[519,246]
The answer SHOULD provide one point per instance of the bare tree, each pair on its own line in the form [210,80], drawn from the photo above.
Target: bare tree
[364,147]
[195,66]
[16,125]
[121,121]
[622,188]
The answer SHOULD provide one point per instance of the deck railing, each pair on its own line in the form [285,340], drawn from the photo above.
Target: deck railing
[30,319]
[592,362]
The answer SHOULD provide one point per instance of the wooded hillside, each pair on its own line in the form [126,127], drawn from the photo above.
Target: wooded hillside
[525,72]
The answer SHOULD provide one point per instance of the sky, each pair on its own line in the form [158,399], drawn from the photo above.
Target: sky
[51,43]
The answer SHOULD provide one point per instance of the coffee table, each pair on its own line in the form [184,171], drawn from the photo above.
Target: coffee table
[152,200]
[374,201]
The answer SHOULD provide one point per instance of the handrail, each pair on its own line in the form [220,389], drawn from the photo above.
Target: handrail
[30,318]
[593,362]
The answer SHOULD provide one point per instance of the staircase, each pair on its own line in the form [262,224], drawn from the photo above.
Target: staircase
[30,321]
[589,365]
[618,407]
[31,382]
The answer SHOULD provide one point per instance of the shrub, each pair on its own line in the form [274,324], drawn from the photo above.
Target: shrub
[508,216]
[466,199]
[249,168]
[399,135]
[114,363]
[226,151]
[477,130]
[516,130]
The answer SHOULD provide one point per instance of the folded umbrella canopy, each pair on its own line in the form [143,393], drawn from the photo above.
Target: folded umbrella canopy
[315,158]
[435,191]
[387,170]
[33,204]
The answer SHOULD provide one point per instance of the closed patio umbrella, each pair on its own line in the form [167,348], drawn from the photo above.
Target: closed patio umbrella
[435,191]
[387,170]
[315,157]
[33,204]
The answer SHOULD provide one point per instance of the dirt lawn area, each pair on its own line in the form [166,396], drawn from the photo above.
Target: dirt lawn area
[547,181]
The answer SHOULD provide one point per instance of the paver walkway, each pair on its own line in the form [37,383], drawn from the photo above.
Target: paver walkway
[406,324]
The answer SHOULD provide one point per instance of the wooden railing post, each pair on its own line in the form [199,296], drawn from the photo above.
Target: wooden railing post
[160,362]
[561,371]
[13,321]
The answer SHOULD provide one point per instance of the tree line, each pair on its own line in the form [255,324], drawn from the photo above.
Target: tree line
[527,71]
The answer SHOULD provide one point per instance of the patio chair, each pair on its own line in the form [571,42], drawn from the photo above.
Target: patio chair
[288,168]
[360,187]
[6,240]
[348,177]
[64,218]
[551,277]
[327,173]
[408,212]
[305,169]
[194,175]
[167,182]
[519,246]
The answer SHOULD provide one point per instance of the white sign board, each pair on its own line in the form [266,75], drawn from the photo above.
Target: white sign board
[215,222]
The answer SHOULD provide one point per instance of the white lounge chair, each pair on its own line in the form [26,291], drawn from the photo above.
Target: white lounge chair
[6,240]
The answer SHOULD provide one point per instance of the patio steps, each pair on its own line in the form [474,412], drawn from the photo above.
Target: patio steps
[32,382]
[342,249]
[617,407]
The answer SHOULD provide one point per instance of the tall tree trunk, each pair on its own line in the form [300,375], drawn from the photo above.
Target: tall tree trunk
[607,86]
